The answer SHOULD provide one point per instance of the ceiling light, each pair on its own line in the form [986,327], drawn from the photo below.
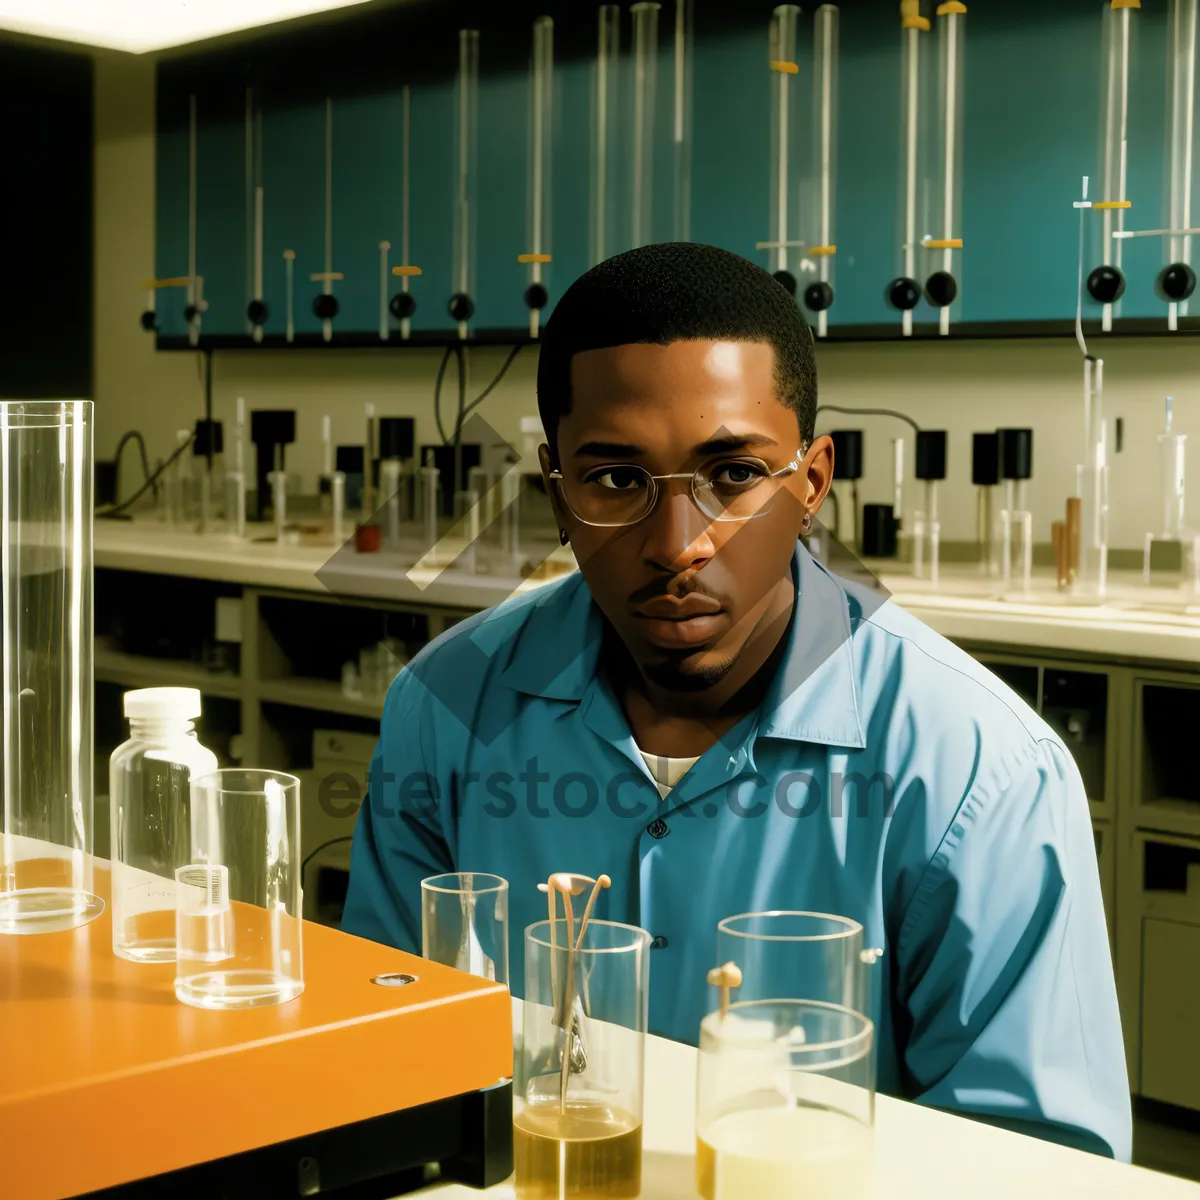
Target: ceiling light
[139,26]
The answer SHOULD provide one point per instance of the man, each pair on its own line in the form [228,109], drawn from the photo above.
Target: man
[687,715]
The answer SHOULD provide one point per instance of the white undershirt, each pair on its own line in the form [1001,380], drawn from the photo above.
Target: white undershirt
[666,772]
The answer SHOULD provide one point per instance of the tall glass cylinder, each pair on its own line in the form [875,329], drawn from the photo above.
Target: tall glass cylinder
[645,97]
[464,923]
[577,1126]
[1117,53]
[913,200]
[787,168]
[1091,579]
[944,261]
[541,140]
[818,210]
[812,955]
[681,132]
[238,927]
[46,870]
[604,216]
[785,1103]
[466,181]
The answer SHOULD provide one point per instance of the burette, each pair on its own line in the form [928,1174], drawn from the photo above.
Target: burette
[1177,280]
[604,208]
[325,305]
[195,304]
[403,304]
[466,182]
[645,92]
[818,212]
[785,158]
[541,136]
[1106,282]
[256,309]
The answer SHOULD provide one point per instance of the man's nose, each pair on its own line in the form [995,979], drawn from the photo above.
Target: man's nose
[678,536]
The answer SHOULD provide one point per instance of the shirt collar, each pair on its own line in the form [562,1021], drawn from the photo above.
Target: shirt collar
[814,697]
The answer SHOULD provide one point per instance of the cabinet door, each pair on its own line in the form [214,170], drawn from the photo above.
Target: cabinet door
[1170,1030]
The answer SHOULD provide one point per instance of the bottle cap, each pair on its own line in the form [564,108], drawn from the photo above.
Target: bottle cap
[163,704]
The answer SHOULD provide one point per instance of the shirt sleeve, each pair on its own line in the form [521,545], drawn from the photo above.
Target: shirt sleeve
[1004,965]
[398,840]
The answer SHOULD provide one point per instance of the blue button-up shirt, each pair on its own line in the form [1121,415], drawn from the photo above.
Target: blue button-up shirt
[970,861]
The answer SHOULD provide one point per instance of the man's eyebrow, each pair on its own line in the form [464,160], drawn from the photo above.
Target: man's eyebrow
[734,441]
[609,450]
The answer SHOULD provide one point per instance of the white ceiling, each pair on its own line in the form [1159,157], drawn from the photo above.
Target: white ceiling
[139,26]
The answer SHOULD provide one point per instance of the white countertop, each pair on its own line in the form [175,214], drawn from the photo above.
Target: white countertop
[1135,623]
[920,1154]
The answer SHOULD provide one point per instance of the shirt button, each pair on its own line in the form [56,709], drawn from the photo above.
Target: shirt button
[658,943]
[657,828]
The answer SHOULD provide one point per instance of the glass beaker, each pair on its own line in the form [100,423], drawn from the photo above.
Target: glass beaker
[577,1120]
[464,923]
[813,955]
[238,926]
[785,1103]
[46,869]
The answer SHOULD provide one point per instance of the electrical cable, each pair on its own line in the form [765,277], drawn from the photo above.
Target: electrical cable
[459,482]
[134,435]
[116,509]
[487,391]
[869,412]
[349,837]
[437,394]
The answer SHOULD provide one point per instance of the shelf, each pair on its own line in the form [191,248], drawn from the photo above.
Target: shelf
[1165,815]
[132,670]
[320,695]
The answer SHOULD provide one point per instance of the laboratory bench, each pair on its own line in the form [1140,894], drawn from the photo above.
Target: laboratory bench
[1120,682]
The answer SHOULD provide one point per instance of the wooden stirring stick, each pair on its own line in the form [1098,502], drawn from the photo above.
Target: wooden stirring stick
[725,978]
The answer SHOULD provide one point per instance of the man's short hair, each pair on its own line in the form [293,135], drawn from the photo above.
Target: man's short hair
[676,292]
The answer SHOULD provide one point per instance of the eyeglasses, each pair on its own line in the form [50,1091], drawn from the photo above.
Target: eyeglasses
[624,494]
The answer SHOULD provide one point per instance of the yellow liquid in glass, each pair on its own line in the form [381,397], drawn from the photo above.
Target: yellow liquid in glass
[589,1152]
[785,1154]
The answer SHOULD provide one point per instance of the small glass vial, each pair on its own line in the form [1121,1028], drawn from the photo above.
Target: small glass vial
[153,827]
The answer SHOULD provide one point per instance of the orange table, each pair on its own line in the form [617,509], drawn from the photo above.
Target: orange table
[106,1078]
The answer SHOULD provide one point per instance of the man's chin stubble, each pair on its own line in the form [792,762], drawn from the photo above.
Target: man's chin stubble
[678,675]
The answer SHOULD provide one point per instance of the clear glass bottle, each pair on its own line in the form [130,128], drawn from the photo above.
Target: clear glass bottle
[153,827]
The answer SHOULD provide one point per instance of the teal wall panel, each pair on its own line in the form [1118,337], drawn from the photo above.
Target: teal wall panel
[1032,132]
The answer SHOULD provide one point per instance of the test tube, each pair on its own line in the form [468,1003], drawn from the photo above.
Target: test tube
[1016,522]
[946,243]
[541,130]
[898,481]
[194,298]
[605,205]
[510,502]
[904,292]
[1171,448]
[1117,37]
[1177,280]
[431,499]
[338,493]
[390,473]
[368,485]
[985,475]
[931,469]
[466,124]
[235,480]
[46,480]
[645,96]
[326,483]
[278,481]
[681,133]
[820,238]
[786,162]
[1091,579]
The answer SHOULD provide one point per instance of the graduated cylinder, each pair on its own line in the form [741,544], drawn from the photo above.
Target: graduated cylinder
[46,651]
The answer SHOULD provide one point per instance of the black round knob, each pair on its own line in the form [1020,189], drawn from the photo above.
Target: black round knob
[190,313]
[149,321]
[903,293]
[787,281]
[462,307]
[536,296]
[402,305]
[325,307]
[941,289]
[1176,282]
[818,296]
[1106,285]
[256,312]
